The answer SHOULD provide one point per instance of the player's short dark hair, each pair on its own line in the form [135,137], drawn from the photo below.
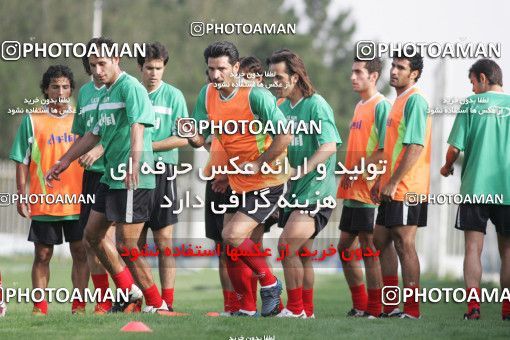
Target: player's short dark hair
[251,64]
[222,49]
[373,65]
[491,70]
[294,65]
[56,71]
[98,42]
[154,50]
[415,60]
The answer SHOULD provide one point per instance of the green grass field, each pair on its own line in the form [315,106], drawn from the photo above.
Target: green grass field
[200,292]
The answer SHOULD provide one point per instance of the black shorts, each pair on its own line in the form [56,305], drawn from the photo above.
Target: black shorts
[90,183]
[123,205]
[262,214]
[397,213]
[320,218]
[162,217]
[50,233]
[474,217]
[354,220]
[213,221]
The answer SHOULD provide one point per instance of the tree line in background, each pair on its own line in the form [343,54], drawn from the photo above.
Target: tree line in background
[325,44]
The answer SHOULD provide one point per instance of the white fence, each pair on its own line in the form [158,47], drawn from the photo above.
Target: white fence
[440,246]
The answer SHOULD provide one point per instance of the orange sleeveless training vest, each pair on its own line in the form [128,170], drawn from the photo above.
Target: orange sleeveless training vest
[52,139]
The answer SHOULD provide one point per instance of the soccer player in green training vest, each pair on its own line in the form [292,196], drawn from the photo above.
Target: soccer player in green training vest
[482,131]
[125,195]
[43,137]
[366,133]
[407,146]
[303,104]
[169,106]
[84,120]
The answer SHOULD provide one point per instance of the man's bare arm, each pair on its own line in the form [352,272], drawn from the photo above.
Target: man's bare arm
[80,147]
[277,147]
[21,185]
[411,155]
[90,157]
[137,130]
[451,156]
[169,143]
[320,156]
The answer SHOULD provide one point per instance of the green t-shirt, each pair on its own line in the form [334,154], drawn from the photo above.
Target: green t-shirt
[382,110]
[482,130]
[86,116]
[412,128]
[415,117]
[313,108]
[169,106]
[262,104]
[21,152]
[124,103]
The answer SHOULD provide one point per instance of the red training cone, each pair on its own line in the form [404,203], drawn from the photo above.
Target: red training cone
[135,326]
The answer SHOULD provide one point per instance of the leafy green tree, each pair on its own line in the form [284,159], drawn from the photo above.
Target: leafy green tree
[325,44]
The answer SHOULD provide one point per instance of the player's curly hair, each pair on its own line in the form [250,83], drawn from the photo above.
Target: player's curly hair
[56,71]
[294,65]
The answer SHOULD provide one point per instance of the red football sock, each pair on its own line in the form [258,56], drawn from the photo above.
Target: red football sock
[152,297]
[254,285]
[43,306]
[257,263]
[123,280]
[280,306]
[308,301]
[389,281]
[505,308]
[235,303]
[359,297]
[240,276]
[101,283]
[295,300]
[374,305]
[411,306]
[473,303]
[226,300]
[168,295]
